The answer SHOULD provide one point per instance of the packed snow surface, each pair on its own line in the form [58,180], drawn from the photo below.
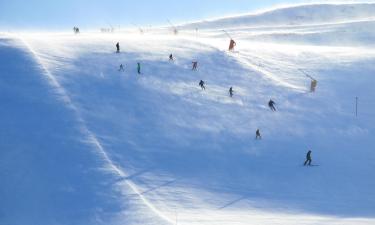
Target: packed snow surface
[85,143]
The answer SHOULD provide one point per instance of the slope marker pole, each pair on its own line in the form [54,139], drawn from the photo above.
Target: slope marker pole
[356,106]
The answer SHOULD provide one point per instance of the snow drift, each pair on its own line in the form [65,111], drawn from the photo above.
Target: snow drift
[295,15]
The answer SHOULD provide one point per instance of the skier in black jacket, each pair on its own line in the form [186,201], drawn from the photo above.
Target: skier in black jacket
[201,84]
[121,68]
[118,47]
[257,134]
[308,159]
[271,104]
[195,65]
[231,92]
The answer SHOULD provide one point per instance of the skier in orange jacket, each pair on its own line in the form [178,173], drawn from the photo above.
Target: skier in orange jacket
[231,45]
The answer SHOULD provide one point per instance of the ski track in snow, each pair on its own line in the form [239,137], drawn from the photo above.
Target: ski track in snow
[91,137]
[258,67]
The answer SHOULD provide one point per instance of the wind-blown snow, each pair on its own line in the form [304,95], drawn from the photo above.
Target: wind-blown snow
[84,143]
[295,15]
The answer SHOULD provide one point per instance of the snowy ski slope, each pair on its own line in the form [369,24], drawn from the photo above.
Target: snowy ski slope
[84,143]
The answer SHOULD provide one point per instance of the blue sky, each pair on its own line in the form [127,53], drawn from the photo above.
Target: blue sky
[57,14]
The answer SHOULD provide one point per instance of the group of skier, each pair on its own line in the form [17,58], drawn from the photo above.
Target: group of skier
[271,103]
[122,66]
[76,30]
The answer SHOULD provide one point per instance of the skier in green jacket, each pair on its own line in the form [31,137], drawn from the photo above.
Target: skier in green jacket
[139,68]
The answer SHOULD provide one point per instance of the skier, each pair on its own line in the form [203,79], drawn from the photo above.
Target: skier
[195,65]
[232,43]
[121,68]
[231,92]
[118,47]
[139,67]
[257,135]
[271,104]
[201,84]
[171,57]
[308,159]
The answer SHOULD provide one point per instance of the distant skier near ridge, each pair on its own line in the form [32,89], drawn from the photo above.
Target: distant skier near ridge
[271,104]
[139,67]
[232,44]
[231,92]
[308,159]
[201,84]
[171,57]
[257,135]
[195,65]
[121,68]
[76,30]
[118,47]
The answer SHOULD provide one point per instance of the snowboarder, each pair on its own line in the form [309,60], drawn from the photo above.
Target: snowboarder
[139,67]
[257,134]
[308,159]
[195,65]
[121,68]
[231,92]
[171,57]
[118,47]
[271,104]
[232,43]
[201,84]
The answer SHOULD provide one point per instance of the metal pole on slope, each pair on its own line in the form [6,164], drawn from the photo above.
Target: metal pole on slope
[139,28]
[356,106]
[175,31]
[227,34]
[314,82]
[306,74]
[232,43]
[112,28]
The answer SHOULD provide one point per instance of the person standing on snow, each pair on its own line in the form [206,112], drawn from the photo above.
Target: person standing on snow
[271,104]
[308,159]
[171,57]
[201,84]
[139,67]
[257,135]
[121,68]
[195,65]
[231,92]
[118,47]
